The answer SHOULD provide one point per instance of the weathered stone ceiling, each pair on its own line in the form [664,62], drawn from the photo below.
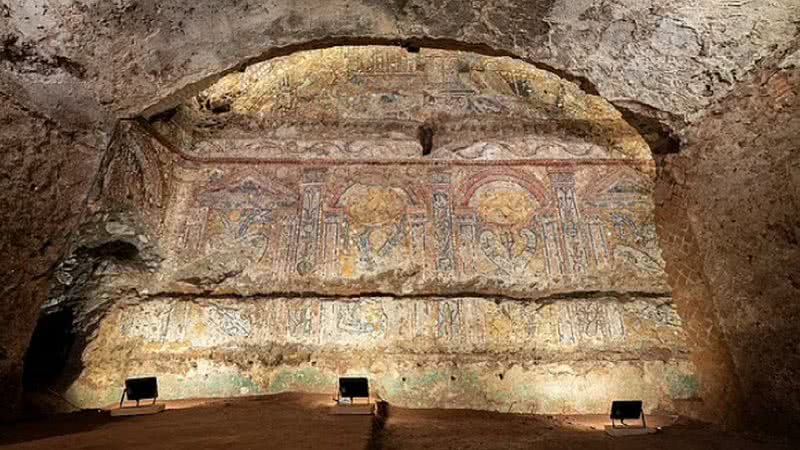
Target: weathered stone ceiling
[75,60]
[739,178]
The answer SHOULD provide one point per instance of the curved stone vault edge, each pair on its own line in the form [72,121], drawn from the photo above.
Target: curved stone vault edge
[641,116]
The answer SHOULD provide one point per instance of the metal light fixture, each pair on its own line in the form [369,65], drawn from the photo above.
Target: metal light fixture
[352,389]
[138,389]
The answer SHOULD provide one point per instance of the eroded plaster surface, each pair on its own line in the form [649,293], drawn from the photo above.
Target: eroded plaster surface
[304,234]
[562,357]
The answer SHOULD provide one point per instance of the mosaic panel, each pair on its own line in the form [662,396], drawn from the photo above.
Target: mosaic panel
[291,225]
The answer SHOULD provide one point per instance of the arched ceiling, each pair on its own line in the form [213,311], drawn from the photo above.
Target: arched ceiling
[75,61]
[347,92]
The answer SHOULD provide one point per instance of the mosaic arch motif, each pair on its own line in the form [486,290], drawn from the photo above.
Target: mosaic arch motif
[376,228]
[508,238]
[552,224]
[634,229]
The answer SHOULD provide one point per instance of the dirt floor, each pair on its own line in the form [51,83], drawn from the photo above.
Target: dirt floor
[287,421]
[462,430]
[294,421]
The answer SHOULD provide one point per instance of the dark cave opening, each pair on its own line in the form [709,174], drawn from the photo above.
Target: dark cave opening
[119,250]
[49,350]
[425,135]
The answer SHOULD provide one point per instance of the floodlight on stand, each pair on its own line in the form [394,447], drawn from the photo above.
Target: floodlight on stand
[623,410]
[138,389]
[350,390]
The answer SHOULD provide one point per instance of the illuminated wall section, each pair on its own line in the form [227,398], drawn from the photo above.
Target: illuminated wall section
[305,235]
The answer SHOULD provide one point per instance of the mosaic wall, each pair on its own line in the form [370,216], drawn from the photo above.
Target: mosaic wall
[418,325]
[306,248]
[347,102]
[541,228]
[413,350]
[306,234]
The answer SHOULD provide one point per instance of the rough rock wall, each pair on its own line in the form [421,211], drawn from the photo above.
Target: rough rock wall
[120,229]
[738,177]
[41,202]
[719,400]
[129,54]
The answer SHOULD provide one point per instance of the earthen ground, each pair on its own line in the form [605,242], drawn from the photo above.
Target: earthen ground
[462,430]
[287,421]
[295,421]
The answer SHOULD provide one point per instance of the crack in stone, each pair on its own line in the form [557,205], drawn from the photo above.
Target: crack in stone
[199,297]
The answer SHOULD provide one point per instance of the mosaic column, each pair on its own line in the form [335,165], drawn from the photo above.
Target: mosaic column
[416,222]
[330,250]
[597,241]
[569,217]
[467,226]
[554,252]
[442,223]
[308,233]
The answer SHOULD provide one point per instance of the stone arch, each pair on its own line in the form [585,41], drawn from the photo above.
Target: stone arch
[529,182]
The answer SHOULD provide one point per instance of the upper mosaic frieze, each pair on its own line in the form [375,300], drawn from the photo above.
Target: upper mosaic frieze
[326,103]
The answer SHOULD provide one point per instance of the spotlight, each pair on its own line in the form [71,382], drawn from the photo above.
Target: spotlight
[623,410]
[138,389]
[352,389]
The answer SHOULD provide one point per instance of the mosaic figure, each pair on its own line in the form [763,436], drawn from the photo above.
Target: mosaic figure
[377,227]
[637,244]
[508,239]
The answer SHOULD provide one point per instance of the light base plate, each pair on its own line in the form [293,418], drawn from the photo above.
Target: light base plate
[353,409]
[138,410]
[629,431]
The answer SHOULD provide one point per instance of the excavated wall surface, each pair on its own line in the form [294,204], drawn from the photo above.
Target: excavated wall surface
[41,204]
[736,185]
[572,301]
[65,65]
[515,267]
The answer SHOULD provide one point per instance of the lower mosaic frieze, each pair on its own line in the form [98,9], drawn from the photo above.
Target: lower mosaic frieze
[420,352]
[459,325]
